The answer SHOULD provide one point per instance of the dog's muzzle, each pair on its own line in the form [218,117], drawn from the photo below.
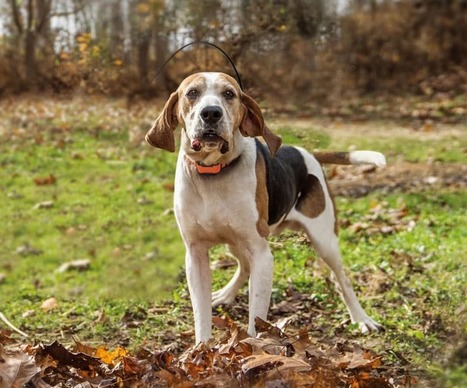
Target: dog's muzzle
[210,139]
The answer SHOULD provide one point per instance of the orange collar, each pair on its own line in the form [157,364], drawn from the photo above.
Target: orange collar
[211,170]
[215,169]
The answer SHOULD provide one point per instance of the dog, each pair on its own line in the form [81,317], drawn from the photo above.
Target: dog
[231,188]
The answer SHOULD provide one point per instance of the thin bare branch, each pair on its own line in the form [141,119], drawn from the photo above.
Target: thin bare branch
[10,325]
[16,16]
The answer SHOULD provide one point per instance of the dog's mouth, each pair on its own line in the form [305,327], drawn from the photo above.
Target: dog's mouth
[210,141]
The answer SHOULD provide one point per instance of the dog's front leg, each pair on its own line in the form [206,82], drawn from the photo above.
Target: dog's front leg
[261,274]
[198,276]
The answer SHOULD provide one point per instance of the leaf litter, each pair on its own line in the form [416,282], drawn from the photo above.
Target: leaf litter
[274,358]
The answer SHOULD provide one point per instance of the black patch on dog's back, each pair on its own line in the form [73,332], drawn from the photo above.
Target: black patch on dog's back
[286,176]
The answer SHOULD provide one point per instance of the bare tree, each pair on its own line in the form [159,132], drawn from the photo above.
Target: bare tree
[29,27]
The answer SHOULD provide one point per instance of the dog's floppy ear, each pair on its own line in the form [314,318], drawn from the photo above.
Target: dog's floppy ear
[161,134]
[253,124]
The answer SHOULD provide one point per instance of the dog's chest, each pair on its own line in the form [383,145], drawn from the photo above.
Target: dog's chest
[215,210]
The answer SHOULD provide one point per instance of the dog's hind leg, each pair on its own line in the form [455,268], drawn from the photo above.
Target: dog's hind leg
[320,231]
[227,294]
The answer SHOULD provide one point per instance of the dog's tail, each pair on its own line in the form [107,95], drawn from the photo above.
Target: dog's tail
[352,157]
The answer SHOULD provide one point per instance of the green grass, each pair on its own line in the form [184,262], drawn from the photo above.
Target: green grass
[95,215]
[112,205]
[412,146]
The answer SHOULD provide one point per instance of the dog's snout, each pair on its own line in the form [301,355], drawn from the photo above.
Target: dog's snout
[211,114]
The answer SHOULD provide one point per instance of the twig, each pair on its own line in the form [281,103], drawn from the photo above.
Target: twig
[10,325]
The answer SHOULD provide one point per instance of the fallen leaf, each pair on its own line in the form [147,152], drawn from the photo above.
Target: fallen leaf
[77,360]
[110,357]
[266,362]
[49,304]
[44,205]
[144,201]
[265,345]
[28,313]
[15,195]
[4,337]
[16,368]
[26,249]
[43,181]
[169,186]
[82,348]
[70,231]
[265,327]
[78,265]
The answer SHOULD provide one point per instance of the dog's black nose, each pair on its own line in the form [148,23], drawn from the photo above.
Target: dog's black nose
[211,114]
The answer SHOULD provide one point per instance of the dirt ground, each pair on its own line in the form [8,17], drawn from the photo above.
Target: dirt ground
[398,175]
[359,181]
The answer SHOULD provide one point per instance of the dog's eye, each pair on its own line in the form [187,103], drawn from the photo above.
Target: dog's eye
[192,94]
[228,94]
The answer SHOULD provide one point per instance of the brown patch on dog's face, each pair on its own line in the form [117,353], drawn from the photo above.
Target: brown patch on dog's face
[189,92]
[312,201]
[262,199]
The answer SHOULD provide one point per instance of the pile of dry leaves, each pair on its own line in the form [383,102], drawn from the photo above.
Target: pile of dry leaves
[272,359]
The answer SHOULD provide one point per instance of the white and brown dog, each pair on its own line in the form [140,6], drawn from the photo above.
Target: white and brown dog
[230,189]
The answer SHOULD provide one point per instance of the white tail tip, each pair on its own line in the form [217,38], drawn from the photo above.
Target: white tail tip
[367,157]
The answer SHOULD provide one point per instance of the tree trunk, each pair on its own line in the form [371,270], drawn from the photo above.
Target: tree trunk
[116,29]
[30,56]
[143,58]
[30,45]
[161,55]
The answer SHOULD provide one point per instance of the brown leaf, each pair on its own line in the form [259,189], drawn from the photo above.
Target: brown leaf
[43,181]
[265,345]
[16,368]
[358,358]
[168,186]
[63,356]
[5,337]
[265,327]
[166,376]
[266,362]
[222,323]
[82,348]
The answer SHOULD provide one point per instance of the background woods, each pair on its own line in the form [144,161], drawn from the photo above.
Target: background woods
[299,49]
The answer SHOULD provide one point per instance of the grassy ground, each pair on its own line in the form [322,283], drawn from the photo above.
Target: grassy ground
[73,186]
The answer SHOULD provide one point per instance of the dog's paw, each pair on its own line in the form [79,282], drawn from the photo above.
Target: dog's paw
[223,297]
[368,325]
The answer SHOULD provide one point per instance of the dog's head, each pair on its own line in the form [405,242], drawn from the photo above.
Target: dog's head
[210,107]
